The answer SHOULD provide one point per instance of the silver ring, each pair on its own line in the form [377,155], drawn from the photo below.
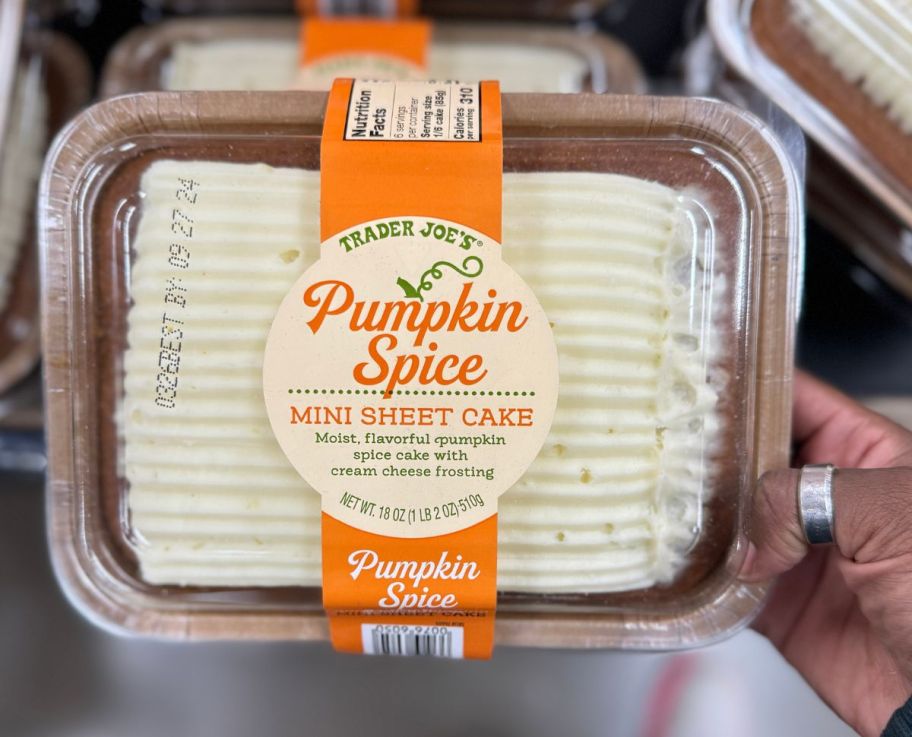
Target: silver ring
[815,503]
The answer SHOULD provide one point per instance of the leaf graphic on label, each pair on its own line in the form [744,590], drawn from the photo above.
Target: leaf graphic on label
[471,267]
[410,291]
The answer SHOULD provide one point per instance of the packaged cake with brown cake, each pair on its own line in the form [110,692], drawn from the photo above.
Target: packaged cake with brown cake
[835,198]
[843,70]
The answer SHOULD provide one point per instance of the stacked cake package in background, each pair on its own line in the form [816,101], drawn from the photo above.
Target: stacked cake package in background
[843,70]
[263,54]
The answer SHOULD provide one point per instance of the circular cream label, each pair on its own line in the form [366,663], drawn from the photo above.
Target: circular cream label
[410,376]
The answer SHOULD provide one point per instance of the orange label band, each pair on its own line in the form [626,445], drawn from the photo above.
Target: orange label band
[361,47]
[427,587]
[454,575]
[404,40]
[384,178]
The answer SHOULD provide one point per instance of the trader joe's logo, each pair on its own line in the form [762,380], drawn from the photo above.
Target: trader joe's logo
[410,376]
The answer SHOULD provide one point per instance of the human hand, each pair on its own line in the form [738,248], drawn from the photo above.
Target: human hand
[841,614]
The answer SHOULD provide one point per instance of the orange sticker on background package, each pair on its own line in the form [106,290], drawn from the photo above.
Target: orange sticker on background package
[372,48]
[391,377]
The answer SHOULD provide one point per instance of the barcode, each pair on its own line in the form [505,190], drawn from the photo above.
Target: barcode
[410,640]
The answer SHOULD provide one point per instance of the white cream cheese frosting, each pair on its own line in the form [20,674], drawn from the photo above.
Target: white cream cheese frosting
[614,499]
[870,43]
[21,157]
[273,65]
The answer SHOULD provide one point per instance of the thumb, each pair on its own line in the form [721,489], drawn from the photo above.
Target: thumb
[872,510]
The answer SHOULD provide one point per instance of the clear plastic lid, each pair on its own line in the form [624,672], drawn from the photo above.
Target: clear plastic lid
[262,54]
[662,237]
[572,10]
[843,69]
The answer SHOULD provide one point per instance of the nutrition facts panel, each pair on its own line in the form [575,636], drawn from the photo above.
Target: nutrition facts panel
[414,111]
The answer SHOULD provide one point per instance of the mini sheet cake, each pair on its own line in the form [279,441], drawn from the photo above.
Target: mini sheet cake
[613,501]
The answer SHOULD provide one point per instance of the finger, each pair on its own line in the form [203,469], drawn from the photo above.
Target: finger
[790,596]
[815,405]
[872,511]
[830,427]
[872,508]
[776,540]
